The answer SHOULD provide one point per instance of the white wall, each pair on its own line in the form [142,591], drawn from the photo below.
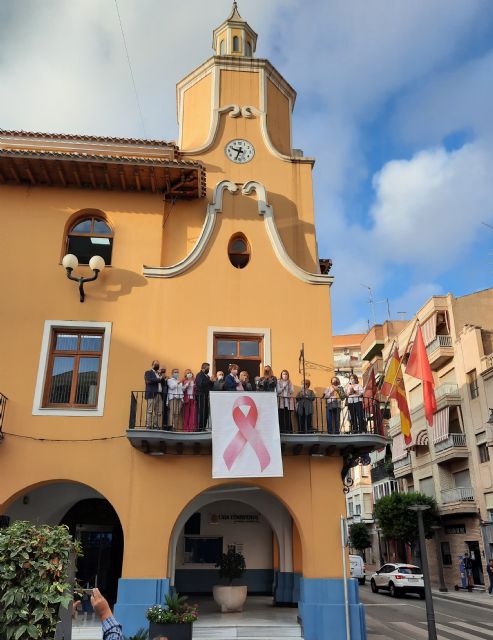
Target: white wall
[49,503]
[255,537]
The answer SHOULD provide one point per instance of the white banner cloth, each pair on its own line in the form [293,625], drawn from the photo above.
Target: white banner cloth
[245,435]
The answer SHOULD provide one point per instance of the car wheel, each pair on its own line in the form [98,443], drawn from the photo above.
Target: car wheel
[362,580]
[422,595]
[393,591]
[373,586]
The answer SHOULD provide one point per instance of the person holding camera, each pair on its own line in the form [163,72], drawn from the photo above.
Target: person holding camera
[334,396]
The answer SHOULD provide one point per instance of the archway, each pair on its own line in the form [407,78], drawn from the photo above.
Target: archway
[90,518]
[251,519]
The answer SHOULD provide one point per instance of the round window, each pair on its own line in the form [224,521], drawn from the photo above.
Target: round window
[239,251]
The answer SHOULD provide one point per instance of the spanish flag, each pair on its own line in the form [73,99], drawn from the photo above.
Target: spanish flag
[393,387]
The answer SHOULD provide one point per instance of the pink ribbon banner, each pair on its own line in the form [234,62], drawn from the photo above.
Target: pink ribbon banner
[245,435]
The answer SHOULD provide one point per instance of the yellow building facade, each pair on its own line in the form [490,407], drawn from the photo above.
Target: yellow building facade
[174,222]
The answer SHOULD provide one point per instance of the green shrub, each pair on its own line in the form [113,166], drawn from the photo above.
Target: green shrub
[34,582]
[231,566]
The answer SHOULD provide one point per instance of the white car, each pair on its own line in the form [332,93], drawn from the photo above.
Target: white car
[397,579]
[357,568]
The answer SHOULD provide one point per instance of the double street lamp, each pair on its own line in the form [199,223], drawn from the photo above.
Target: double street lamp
[430,612]
[70,262]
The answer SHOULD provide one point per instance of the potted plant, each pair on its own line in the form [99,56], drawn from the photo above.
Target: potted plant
[174,620]
[231,566]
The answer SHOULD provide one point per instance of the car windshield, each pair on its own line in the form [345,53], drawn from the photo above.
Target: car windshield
[415,571]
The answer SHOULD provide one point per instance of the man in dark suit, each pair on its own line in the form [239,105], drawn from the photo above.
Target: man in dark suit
[155,381]
[203,384]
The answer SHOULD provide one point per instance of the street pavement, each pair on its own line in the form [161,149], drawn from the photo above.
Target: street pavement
[405,618]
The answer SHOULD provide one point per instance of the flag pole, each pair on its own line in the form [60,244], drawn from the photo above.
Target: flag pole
[401,358]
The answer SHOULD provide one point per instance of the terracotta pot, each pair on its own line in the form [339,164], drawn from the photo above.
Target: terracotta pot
[229,599]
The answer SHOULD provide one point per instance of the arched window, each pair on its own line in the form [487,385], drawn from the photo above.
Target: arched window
[89,236]
[221,48]
[239,251]
[249,49]
[236,43]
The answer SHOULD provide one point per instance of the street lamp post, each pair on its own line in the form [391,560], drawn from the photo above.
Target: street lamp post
[379,546]
[430,613]
[443,586]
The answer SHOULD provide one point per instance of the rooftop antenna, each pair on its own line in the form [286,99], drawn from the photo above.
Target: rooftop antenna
[371,302]
[403,314]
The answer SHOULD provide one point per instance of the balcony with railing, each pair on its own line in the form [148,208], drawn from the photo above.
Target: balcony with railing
[403,466]
[457,500]
[3,407]
[440,351]
[455,446]
[446,394]
[186,426]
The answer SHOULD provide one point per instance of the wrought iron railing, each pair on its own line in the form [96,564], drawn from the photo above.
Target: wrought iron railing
[295,416]
[3,406]
[459,494]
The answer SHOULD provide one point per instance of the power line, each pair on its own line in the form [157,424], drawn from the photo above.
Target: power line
[18,435]
[131,70]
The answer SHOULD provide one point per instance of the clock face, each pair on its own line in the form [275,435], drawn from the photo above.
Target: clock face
[239,151]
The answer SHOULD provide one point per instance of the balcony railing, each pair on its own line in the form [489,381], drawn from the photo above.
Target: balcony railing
[3,406]
[454,440]
[459,494]
[404,462]
[439,341]
[192,416]
[446,389]
[381,471]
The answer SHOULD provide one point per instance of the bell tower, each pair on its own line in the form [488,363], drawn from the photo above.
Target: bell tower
[234,37]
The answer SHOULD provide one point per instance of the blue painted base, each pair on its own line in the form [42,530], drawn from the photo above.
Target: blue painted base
[202,580]
[322,610]
[287,588]
[134,598]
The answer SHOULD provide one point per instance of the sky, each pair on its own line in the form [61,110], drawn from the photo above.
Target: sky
[395,101]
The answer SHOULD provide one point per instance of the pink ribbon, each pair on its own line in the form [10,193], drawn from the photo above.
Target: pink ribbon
[246,433]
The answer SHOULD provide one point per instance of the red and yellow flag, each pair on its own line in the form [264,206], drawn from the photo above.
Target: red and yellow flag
[393,387]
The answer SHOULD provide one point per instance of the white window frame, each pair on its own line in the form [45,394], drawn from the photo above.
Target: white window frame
[38,409]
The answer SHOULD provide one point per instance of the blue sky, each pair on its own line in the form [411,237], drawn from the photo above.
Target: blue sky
[395,100]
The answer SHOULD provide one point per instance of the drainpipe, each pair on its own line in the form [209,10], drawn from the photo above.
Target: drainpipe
[344,543]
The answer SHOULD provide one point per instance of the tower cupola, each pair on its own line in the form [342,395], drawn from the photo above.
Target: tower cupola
[234,37]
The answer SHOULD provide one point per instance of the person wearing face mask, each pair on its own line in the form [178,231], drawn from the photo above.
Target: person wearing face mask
[189,402]
[354,392]
[154,380]
[268,382]
[203,385]
[232,381]
[304,407]
[219,381]
[285,391]
[334,396]
[175,401]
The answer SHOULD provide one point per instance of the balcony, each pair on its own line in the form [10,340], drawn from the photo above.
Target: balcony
[446,394]
[402,467]
[457,500]
[454,446]
[181,432]
[3,406]
[440,351]
[381,471]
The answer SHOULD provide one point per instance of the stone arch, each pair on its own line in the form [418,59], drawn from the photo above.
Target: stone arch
[269,505]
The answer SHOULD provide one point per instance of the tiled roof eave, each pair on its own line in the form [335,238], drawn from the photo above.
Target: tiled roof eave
[85,157]
[86,138]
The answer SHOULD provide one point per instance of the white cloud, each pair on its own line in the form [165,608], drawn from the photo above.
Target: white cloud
[428,209]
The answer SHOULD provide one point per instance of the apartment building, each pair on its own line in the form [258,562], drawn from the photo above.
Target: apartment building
[451,461]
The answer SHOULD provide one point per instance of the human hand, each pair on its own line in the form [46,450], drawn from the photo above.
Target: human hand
[100,605]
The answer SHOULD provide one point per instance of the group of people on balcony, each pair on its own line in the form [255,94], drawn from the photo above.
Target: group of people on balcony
[182,402]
